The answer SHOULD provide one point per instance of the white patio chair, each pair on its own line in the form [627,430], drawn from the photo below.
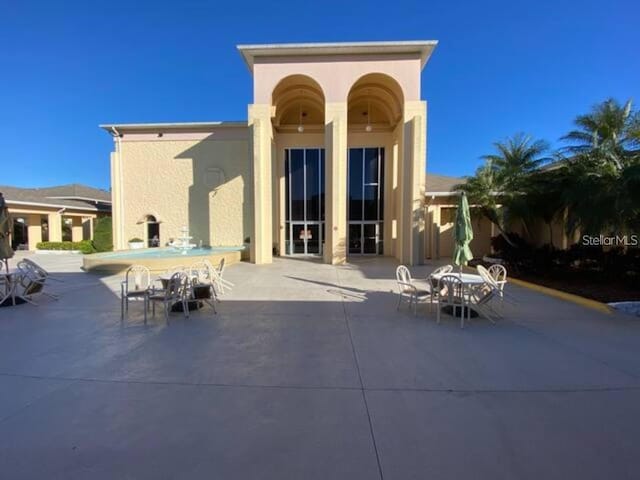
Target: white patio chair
[407,288]
[481,297]
[433,282]
[453,295]
[219,283]
[32,279]
[41,271]
[176,291]
[135,286]
[499,274]
[203,279]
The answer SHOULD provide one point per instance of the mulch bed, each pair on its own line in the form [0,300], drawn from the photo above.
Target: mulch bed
[586,285]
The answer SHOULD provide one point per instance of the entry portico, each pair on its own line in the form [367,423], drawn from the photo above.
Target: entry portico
[356,107]
[330,163]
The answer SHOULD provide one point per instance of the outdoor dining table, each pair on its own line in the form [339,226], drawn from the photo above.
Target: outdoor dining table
[469,281]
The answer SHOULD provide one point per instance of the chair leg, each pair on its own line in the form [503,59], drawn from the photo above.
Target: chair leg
[146,307]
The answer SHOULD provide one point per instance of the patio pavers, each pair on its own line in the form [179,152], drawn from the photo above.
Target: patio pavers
[308,371]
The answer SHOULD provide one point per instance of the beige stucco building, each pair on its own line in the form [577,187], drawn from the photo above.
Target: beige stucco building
[331,161]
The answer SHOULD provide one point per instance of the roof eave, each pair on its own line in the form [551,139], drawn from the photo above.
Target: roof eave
[423,47]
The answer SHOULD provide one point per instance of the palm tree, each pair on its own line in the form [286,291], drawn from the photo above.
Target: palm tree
[499,186]
[609,134]
[602,170]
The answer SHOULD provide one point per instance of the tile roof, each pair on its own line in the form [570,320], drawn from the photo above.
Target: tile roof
[441,183]
[72,195]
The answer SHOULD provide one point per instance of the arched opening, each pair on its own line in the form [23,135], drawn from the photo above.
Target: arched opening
[298,124]
[374,113]
[152,231]
[375,100]
[299,105]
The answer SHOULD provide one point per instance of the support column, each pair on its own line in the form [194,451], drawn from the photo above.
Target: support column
[76,229]
[335,246]
[34,230]
[412,185]
[261,136]
[55,227]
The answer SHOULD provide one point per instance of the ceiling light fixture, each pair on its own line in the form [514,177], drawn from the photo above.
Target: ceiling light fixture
[300,126]
[368,128]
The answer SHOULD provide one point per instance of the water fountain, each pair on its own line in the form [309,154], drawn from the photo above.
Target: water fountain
[183,242]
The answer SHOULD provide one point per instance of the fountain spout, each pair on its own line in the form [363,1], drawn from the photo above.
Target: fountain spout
[182,243]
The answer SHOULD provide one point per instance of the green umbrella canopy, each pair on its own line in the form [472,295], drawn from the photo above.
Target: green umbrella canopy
[463,233]
[6,251]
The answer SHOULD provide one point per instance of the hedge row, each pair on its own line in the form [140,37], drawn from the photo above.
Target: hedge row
[85,246]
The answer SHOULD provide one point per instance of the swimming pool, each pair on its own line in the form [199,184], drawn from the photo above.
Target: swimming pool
[158,259]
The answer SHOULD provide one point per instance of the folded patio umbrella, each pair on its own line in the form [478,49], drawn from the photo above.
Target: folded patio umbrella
[6,252]
[463,233]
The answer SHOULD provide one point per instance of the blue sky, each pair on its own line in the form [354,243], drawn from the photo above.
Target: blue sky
[501,67]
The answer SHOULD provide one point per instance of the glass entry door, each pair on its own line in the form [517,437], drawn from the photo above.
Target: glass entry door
[366,200]
[304,197]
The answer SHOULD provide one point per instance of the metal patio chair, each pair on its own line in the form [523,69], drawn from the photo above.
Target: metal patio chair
[135,286]
[33,281]
[406,288]
[203,279]
[177,291]
[452,293]
[433,283]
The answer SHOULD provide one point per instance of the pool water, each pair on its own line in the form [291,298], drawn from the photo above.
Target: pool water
[168,252]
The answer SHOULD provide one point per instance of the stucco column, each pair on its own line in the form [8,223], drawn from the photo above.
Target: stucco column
[76,229]
[261,135]
[55,227]
[34,230]
[116,200]
[412,185]
[335,246]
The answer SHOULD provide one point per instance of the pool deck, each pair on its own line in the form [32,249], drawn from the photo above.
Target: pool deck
[309,372]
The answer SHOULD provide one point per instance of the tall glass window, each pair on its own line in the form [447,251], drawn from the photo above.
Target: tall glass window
[304,196]
[366,200]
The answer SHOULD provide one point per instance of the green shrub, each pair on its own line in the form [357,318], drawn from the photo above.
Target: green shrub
[85,246]
[102,235]
[136,240]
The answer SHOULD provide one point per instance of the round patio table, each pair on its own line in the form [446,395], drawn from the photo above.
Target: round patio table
[469,281]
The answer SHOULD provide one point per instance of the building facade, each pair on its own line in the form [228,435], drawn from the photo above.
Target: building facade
[54,214]
[330,163]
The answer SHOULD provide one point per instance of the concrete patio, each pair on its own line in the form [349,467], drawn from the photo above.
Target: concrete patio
[308,372]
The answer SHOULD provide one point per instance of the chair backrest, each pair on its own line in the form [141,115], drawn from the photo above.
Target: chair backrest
[200,272]
[176,286]
[486,276]
[451,288]
[137,278]
[221,267]
[33,266]
[498,272]
[403,275]
[442,269]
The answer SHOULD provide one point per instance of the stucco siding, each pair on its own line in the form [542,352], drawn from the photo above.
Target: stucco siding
[203,184]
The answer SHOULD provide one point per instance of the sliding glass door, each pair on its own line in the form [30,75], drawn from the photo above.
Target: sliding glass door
[366,200]
[304,198]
